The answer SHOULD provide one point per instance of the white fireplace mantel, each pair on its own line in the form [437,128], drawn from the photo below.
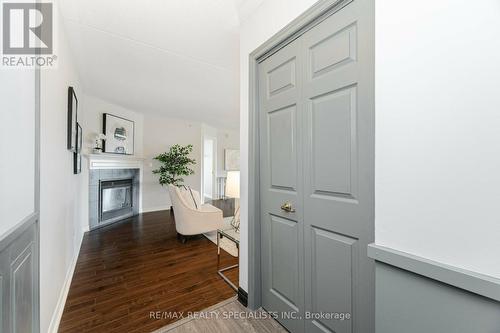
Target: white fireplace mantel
[114,161]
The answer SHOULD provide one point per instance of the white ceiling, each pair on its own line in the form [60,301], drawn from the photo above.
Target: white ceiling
[175,57]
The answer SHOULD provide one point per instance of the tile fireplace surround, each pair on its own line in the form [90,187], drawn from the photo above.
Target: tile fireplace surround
[105,167]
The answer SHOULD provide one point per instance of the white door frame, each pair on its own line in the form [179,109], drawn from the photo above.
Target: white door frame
[214,139]
[310,18]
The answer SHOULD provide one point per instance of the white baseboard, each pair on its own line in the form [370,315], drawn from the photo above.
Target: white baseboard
[58,311]
[155,209]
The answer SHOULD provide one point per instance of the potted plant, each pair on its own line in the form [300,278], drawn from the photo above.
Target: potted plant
[175,164]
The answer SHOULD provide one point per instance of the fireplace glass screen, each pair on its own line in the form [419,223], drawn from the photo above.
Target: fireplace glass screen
[116,199]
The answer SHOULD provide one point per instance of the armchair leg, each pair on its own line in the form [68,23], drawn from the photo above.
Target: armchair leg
[182,238]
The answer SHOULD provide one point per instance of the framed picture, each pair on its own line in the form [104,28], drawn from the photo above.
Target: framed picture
[231,159]
[77,163]
[79,138]
[72,120]
[119,135]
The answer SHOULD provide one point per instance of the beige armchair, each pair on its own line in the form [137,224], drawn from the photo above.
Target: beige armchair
[191,217]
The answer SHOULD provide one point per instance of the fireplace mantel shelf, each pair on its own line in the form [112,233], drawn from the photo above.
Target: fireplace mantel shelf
[114,161]
[105,156]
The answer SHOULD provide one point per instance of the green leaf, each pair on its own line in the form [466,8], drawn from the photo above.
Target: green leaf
[174,164]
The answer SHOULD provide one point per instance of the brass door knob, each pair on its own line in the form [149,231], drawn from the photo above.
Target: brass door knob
[287,207]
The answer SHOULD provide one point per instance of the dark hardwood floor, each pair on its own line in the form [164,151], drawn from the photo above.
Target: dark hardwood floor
[129,269]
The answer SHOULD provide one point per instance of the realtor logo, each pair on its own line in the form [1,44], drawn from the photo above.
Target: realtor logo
[27,34]
[27,28]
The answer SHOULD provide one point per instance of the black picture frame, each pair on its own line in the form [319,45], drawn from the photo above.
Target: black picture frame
[79,138]
[106,118]
[77,163]
[72,120]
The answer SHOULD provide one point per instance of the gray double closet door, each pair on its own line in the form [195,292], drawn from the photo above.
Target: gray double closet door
[316,130]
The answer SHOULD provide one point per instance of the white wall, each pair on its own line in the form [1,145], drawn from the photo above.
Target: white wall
[93,110]
[17,138]
[438,131]
[60,190]
[160,133]
[226,139]
[270,17]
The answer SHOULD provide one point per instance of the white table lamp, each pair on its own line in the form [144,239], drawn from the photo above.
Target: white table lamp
[233,184]
[233,191]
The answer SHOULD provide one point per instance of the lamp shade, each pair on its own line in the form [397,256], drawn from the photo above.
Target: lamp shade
[233,184]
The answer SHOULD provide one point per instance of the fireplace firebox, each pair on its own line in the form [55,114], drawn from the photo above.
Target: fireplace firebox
[115,200]
[114,195]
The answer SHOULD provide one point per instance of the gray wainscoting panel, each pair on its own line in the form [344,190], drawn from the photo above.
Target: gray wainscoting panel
[411,303]
[19,285]
[23,285]
[480,284]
